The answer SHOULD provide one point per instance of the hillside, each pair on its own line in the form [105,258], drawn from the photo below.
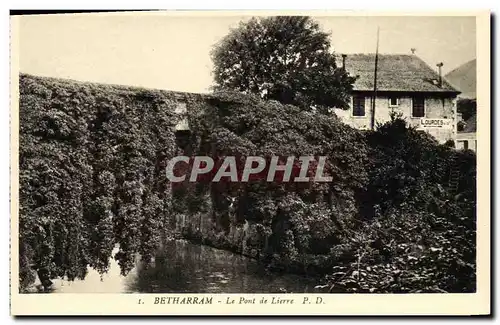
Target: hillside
[464,78]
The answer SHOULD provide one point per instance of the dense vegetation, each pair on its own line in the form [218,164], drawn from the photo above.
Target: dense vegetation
[90,175]
[419,229]
[394,218]
[285,58]
[398,216]
[287,221]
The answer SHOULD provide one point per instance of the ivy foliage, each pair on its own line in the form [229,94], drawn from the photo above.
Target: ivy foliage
[398,216]
[288,219]
[91,175]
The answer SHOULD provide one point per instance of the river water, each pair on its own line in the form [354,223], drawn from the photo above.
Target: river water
[184,267]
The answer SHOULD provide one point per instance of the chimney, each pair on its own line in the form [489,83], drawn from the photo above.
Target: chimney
[343,61]
[439,65]
[413,50]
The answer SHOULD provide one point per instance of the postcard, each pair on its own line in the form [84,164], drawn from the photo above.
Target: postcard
[250,163]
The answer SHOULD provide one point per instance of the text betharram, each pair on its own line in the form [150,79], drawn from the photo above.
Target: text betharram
[184,300]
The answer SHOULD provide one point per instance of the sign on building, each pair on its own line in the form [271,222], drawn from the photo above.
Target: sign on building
[436,123]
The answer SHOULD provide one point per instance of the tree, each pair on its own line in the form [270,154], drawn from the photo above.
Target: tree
[467,107]
[285,58]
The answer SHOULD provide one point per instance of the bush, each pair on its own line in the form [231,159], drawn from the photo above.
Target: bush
[421,234]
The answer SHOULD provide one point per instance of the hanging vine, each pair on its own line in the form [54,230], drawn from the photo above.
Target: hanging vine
[90,176]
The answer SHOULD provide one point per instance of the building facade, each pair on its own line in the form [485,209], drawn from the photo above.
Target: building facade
[466,134]
[464,78]
[405,85]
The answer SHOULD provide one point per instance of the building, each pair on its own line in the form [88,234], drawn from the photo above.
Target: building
[466,134]
[405,84]
[464,78]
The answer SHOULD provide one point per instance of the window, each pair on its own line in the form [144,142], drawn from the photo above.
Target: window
[358,106]
[466,144]
[418,109]
[393,101]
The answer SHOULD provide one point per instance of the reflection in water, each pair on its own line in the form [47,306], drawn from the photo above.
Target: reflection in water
[111,282]
[185,267]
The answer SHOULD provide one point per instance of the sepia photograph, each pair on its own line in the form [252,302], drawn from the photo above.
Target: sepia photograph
[249,160]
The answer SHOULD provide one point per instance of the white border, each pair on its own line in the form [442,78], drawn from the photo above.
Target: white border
[216,4]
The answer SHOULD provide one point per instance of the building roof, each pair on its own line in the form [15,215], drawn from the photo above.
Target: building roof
[395,72]
[470,125]
[464,78]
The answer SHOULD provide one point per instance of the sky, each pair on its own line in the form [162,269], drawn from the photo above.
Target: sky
[173,52]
